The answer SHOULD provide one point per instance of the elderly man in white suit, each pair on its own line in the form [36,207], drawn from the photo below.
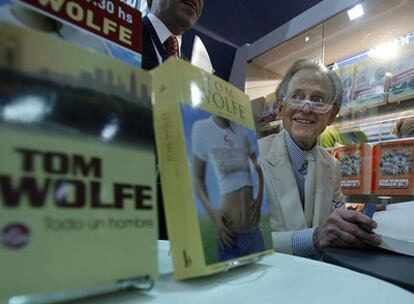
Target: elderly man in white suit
[302,180]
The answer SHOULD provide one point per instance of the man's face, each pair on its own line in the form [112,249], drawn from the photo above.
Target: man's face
[304,125]
[178,15]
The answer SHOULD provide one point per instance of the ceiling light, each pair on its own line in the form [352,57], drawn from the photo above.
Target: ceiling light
[355,12]
[307,38]
[385,50]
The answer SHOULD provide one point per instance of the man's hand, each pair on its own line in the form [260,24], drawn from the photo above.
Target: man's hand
[343,228]
[226,236]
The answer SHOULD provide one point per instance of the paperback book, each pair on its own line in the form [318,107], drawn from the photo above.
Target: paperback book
[402,71]
[370,84]
[212,183]
[77,169]
[393,167]
[356,164]
[396,227]
[347,76]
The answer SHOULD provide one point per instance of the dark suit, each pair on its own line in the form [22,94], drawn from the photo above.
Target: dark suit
[149,55]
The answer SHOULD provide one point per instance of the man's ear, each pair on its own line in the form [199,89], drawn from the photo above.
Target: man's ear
[279,110]
[332,114]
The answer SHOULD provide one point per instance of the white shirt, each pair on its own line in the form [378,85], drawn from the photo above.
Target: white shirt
[227,150]
[163,33]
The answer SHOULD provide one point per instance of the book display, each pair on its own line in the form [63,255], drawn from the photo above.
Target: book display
[67,193]
[88,138]
[73,214]
[213,192]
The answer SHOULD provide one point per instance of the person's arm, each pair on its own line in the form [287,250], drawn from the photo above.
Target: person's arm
[219,220]
[344,228]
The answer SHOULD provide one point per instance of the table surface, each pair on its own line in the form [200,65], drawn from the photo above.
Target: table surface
[392,267]
[278,278]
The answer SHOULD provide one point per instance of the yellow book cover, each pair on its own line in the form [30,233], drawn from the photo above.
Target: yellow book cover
[77,168]
[402,71]
[212,184]
[370,84]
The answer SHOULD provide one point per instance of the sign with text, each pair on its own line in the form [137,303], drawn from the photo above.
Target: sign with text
[109,19]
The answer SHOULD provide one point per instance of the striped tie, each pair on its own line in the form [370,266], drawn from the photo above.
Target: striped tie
[171,46]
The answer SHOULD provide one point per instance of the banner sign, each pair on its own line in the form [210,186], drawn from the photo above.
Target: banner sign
[110,19]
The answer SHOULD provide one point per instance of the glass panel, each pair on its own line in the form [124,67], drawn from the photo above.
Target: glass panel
[374,55]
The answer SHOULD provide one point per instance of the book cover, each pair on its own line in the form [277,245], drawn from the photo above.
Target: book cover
[393,167]
[77,168]
[211,181]
[111,27]
[402,71]
[347,75]
[370,83]
[356,164]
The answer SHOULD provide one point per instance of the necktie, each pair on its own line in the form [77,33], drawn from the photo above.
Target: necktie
[310,190]
[171,46]
[302,177]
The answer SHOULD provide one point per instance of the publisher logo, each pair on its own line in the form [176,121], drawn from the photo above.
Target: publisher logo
[15,236]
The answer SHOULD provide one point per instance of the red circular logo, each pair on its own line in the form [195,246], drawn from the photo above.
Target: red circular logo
[15,236]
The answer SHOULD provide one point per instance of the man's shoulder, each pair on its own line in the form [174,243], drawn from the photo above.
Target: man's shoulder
[273,149]
[326,156]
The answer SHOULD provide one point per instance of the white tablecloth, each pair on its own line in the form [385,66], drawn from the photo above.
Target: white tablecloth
[278,278]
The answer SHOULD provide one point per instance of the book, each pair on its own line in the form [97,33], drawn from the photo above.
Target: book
[265,114]
[77,168]
[402,71]
[370,84]
[356,164]
[347,76]
[211,181]
[396,227]
[392,167]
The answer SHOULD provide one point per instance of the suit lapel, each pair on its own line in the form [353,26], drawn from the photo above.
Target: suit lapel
[324,188]
[284,183]
[149,56]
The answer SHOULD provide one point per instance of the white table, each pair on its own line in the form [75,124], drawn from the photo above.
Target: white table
[278,278]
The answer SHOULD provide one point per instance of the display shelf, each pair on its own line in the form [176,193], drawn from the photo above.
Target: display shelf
[383,113]
[378,199]
[378,122]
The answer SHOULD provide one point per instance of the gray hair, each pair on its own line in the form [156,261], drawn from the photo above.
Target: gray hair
[311,64]
[404,127]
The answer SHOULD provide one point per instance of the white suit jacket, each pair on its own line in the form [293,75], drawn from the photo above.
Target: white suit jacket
[322,187]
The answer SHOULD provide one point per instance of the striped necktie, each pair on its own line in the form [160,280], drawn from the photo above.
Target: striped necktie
[171,46]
